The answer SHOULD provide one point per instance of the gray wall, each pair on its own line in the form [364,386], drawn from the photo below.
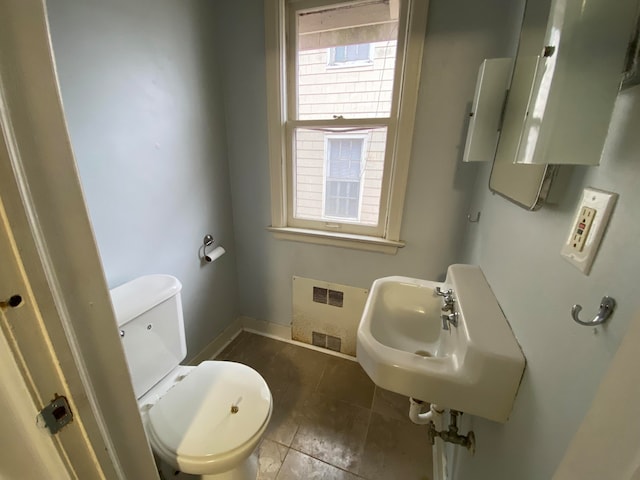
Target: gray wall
[519,253]
[144,109]
[460,35]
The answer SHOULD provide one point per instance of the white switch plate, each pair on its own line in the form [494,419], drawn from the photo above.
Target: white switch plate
[587,228]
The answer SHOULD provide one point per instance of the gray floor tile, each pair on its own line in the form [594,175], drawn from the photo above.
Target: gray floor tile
[395,450]
[227,351]
[270,458]
[285,418]
[332,431]
[391,405]
[251,349]
[298,466]
[347,381]
[337,423]
[301,367]
[258,352]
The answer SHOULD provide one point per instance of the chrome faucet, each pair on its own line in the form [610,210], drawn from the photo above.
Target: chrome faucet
[449,319]
[447,298]
[443,293]
[452,317]
[448,303]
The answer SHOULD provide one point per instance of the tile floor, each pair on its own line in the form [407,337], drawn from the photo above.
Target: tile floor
[329,421]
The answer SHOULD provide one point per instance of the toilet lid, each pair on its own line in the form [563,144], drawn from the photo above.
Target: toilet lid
[196,417]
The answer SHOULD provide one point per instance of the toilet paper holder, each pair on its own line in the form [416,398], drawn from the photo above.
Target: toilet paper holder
[208,241]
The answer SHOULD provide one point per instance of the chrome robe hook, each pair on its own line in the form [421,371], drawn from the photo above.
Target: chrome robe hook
[607,304]
[475,219]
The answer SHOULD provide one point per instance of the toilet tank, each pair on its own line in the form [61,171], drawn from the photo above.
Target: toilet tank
[149,314]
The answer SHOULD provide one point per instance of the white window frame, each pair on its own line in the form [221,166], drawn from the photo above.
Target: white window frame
[325,173]
[386,238]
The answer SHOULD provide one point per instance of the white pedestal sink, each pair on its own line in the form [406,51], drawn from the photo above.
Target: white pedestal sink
[475,367]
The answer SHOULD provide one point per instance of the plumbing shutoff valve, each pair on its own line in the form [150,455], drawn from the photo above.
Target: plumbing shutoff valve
[451,435]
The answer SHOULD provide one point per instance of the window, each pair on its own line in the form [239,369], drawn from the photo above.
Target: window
[340,138]
[348,54]
[342,190]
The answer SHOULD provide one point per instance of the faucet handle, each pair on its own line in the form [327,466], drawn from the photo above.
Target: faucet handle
[450,319]
[443,293]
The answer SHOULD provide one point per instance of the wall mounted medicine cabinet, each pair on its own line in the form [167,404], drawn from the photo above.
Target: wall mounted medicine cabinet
[486,110]
[524,185]
[565,80]
[577,76]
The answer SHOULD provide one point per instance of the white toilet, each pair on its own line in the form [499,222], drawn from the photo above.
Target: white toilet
[205,420]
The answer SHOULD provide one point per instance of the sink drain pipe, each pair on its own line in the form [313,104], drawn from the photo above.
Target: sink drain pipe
[421,418]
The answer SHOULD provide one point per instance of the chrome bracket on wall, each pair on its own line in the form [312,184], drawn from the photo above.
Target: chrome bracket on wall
[475,219]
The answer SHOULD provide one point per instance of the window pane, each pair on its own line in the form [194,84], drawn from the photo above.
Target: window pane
[338,174]
[342,199]
[339,54]
[345,155]
[342,55]
[346,59]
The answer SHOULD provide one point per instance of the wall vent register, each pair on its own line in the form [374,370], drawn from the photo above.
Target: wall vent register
[335,298]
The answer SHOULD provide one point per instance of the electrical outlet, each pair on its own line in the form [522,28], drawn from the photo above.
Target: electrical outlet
[588,227]
[581,228]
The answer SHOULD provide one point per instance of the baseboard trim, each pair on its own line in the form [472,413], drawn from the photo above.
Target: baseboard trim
[219,343]
[283,333]
[273,330]
[267,329]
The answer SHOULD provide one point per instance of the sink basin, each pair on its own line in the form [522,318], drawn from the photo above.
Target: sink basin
[475,367]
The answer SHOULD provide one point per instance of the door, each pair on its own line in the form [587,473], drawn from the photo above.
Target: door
[63,336]
[30,379]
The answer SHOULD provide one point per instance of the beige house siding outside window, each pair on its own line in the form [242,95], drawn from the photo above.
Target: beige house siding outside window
[331,84]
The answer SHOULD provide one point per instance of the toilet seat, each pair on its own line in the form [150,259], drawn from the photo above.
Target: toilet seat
[195,426]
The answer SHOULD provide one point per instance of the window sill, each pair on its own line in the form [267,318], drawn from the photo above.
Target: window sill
[363,65]
[345,240]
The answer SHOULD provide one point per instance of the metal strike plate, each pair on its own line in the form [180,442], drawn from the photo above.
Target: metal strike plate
[57,414]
